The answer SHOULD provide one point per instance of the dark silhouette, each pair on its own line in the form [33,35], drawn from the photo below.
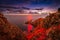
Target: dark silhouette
[59,10]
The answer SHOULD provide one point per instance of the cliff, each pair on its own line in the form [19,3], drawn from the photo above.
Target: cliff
[9,31]
[51,26]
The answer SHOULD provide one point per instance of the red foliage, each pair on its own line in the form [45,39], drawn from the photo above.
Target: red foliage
[42,31]
[29,28]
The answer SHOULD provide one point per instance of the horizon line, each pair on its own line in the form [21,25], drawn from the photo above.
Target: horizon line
[22,14]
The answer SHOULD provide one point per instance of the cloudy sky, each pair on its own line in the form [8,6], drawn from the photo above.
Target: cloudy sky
[31,3]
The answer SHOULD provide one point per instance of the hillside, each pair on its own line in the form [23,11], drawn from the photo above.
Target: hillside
[47,28]
[9,31]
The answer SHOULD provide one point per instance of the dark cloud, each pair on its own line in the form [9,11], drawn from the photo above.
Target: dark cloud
[9,7]
[2,7]
[25,8]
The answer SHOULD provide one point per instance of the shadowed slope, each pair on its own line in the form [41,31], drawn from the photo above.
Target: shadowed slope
[9,31]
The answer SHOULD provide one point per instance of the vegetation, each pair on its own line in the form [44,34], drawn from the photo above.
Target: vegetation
[9,31]
[51,26]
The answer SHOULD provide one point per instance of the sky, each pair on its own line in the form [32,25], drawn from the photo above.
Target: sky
[31,3]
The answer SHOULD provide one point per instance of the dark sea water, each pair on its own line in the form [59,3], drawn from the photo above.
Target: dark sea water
[20,20]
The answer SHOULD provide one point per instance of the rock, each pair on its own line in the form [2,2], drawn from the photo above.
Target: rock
[52,25]
[9,31]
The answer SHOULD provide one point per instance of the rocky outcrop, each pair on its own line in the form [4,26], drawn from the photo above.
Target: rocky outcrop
[52,19]
[37,22]
[51,26]
[9,31]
